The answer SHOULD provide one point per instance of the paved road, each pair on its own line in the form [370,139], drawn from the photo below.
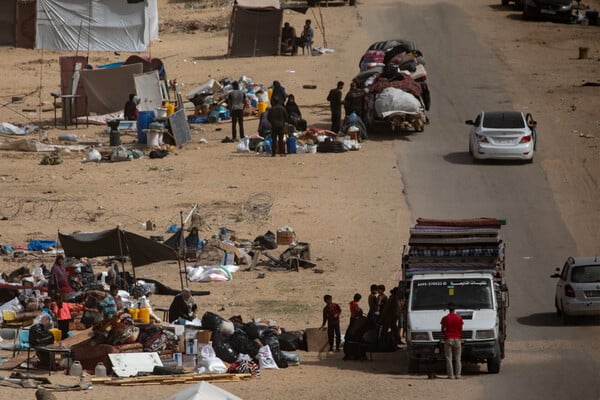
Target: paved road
[544,359]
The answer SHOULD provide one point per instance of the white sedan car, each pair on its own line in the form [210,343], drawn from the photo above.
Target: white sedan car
[502,135]
[578,288]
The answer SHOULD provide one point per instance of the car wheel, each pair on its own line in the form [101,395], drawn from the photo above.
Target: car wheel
[526,15]
[566,319]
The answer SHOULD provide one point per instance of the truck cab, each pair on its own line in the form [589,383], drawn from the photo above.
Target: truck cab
[479,301]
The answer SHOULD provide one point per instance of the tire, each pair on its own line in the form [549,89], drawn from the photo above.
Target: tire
[526,15]
[566,319]
[493,364]
[414,366]
[502,352]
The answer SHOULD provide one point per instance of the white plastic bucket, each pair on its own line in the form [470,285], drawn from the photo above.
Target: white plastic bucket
[161,113]
[155,138]
[312,148]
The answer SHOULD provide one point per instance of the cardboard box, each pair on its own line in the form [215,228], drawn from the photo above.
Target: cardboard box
[316,340]
[204,336]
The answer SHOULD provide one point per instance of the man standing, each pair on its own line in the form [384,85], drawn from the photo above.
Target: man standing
[452,325]
[335,103]
[277,117]
[236,101]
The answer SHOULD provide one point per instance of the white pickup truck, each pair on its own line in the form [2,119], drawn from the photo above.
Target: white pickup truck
[458,261]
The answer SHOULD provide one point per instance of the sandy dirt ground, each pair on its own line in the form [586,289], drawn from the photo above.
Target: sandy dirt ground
[348,206]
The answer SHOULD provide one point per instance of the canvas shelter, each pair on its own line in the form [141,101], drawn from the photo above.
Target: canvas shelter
[116,242]
[71,25]
[255,28]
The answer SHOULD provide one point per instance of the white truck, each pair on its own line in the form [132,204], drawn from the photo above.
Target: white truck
[458,261]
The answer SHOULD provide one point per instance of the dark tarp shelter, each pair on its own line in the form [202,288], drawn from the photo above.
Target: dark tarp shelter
[116,242]
[255,28]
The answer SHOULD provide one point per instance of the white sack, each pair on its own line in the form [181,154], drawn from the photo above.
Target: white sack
[392,100]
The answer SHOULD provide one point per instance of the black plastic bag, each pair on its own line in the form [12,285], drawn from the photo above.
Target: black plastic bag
[242,344]
[268,241]
[271,340]
[223,349]
[211,321]
[290,341]
[255,331]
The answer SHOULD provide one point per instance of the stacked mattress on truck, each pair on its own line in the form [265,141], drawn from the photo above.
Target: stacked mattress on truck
[467,245]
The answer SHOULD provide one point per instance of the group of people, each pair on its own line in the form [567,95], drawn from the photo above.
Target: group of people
[332,311]
[290,42]
[353,103]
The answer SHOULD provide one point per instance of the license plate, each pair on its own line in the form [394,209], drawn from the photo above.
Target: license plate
[549,12]
[592,293]
[504,140]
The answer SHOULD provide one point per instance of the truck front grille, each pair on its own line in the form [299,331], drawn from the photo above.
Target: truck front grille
[438,335]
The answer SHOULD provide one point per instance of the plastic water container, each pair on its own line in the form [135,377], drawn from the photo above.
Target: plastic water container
[75,369]
[291,144]
[262,107]
[134,312]
[144,315]
[57,333]
[143,122]
[100,370]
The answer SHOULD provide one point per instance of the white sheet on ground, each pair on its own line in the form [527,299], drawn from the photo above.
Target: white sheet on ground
[392,100]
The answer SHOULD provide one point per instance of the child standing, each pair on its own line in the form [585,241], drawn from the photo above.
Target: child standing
[331,317]
[355,310]
[373,303]
[63,312]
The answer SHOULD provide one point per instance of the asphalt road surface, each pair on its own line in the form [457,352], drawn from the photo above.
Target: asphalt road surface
[544,359]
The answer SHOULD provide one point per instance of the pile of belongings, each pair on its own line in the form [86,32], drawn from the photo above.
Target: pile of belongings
[262,341]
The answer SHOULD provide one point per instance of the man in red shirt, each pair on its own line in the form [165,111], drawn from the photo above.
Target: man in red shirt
[452,325]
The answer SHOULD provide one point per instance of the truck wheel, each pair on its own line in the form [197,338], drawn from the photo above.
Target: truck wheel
[502,350]
[493,364]
[414,366]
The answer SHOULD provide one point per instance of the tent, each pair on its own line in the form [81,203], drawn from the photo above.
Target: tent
[203,391]
[116,242]
[96,25]
[69,25]
[255,28]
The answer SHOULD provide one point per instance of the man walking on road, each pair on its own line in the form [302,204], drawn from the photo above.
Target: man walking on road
[335,102]
[452,325]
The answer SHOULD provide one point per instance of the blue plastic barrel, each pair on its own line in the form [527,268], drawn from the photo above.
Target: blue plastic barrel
[291,144]
[143,122]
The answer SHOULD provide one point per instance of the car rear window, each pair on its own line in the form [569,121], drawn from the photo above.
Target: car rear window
[586,274]
[503,120]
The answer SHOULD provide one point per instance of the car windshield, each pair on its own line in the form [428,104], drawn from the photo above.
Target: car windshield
[435,294]
[585,274]
[503,120]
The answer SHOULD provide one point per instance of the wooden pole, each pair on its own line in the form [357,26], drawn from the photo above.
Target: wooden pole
[40,88]
[179,254]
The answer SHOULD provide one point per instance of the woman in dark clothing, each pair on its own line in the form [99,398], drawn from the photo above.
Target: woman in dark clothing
[278,93]
[183,306]
[294,113]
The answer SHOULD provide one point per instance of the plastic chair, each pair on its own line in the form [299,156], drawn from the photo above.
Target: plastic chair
[9,339]
[307,47]
[24,344]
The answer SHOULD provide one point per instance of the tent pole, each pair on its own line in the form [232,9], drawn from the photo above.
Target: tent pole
[123,257]
[179,258]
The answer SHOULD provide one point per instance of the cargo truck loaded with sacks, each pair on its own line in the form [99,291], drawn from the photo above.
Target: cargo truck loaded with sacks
[460,262]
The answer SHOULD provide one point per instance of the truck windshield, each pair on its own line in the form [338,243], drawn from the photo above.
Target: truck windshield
[435,294]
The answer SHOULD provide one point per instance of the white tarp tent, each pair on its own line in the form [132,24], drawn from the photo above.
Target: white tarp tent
[96,25]
[203,391]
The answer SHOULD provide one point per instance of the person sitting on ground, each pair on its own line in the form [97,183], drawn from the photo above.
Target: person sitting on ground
[40,335]
[294,113]
[183,306]
[130,111]
[114,292]
[264,126]
[288,39]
